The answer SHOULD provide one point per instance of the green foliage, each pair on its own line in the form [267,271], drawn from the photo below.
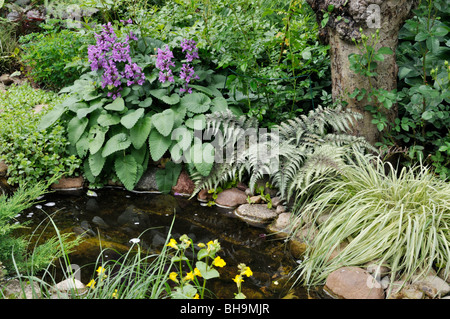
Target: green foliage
[423,96]
[297,155]
[117,138]
[168,177]
[8,46]
[263,47]
[14,251]
[50,55]
[31,154]
[376,212]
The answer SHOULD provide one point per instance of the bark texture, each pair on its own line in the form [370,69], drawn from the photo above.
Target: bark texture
[344,23]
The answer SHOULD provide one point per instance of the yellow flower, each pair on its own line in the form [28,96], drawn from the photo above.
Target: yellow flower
[248,272]
[173,276]
[100,270]
[201,245]
[173,243]
[189,276]
[196,296]
[91,284]
[197,272]
[238,279]
[114,295]
[219,262]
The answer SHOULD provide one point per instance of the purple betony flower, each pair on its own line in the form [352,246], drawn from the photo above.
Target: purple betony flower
[187,72]
[109,55]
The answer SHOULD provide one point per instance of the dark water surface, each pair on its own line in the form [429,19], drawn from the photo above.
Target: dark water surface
[116,216]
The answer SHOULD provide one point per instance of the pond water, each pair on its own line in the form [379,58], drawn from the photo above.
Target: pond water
[116,216]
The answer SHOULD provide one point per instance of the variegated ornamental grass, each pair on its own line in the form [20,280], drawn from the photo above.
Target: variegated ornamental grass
[400,217]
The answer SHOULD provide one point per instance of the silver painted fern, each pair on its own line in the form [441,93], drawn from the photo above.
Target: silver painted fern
[297,153]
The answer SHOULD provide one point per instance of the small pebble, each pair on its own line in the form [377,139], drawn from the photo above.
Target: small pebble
[50,204]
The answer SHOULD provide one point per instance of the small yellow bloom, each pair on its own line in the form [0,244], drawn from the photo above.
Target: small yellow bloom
[196,296]
[201,245]
[114,295]
[197,272]
[248,272]
[91,284]
[219,262]
[173,276]
[173,243]
[238,279]
[189,276]
[100,270]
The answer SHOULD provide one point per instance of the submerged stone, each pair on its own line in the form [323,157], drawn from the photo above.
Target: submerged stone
[256,213]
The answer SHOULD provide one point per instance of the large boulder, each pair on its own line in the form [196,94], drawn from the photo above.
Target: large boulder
[256,213]
[231,198]
[353,283]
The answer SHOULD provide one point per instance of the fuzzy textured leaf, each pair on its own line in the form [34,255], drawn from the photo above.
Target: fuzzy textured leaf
[158,144]
[116,143]
[127,170]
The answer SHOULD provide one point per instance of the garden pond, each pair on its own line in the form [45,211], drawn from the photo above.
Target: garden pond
[112,218]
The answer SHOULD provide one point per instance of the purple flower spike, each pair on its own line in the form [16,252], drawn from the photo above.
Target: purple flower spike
[109,55]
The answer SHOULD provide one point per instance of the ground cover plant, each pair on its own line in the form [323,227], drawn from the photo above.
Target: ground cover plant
[32,155]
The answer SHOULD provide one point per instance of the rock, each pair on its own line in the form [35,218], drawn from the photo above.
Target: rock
[68,183]
[433,286]
[322,218]
[3,168]
[248,192]
[6,80]
[15,289]
[134,218]
[384,282]
[148,181]
[231,198]
[204,196]
[283,224]
[256,199]
[307,233]
[276,201]
[69,285]
[38,108]
[255,213]
[402,290]
[185,185]
[338,250]
[352,283]
[441,274]
[97,220]
[280,209]
[377,269]
[241,186]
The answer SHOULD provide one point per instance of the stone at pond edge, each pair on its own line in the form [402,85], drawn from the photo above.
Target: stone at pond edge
[69,284]
[231,198]
[352,283]
[68,183]
[13,290]
[255,213]
[148,181]
[185,185]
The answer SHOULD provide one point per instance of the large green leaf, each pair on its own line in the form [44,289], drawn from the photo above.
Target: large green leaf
[202,156]
[96,138]
[196,102]
[168,177]
[127,170]
[75,128]
[164,121]
[82,145]
[117,105]
[130,119]
[182,138]
[139,132]
[108,119]
[95,105]
[96,163]
[116,143]
[51,117]
[158,144]
[198,122]
[171,100]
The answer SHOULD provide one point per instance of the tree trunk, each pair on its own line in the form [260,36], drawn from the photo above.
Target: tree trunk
[344,23]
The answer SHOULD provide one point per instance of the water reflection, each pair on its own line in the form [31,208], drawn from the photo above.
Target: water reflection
[118,217]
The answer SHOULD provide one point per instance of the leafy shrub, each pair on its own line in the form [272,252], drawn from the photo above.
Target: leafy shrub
[400,218]
[31,154]
[49,56]
[132,98]
[8,46]
[14,254]
[264,47]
